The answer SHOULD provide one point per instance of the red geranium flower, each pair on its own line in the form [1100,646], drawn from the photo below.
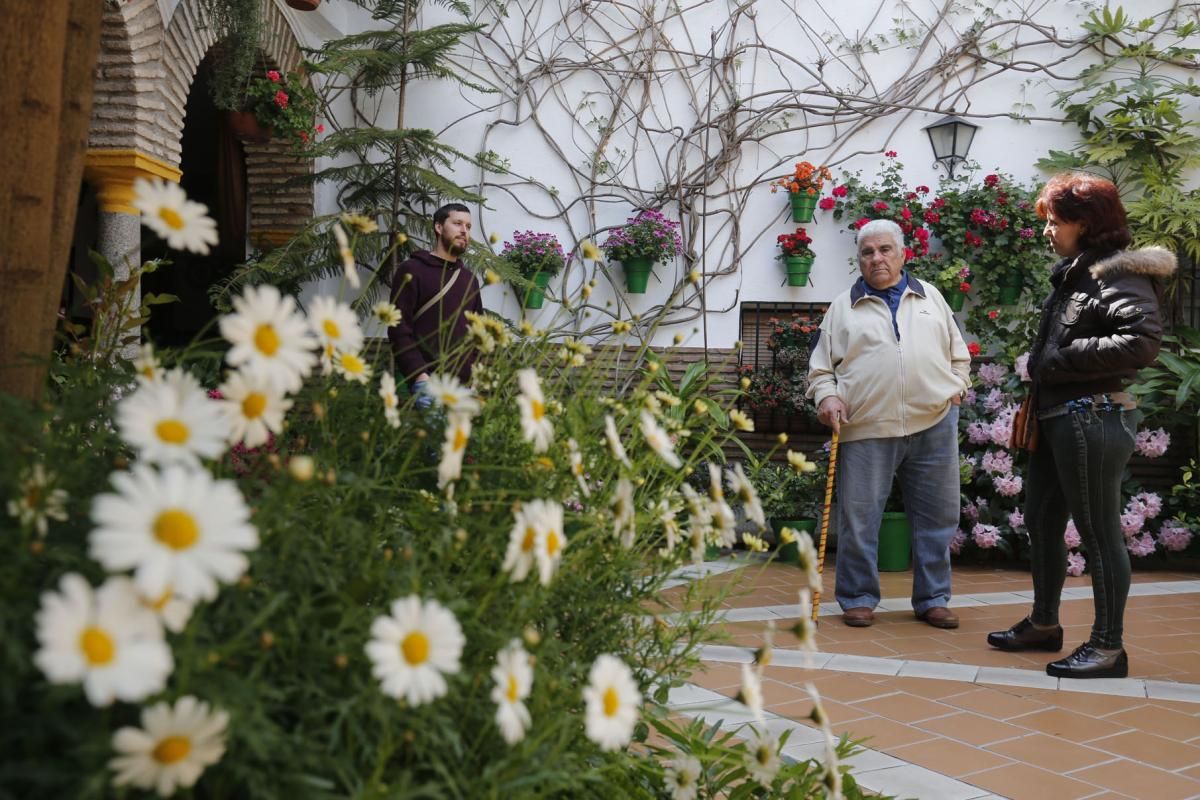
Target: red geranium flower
[890,154]
[879,205]
[827,203]
[991,180]
[993,313]
[840,191]
[281,98]
[273,75]
[964,287]
[974,349]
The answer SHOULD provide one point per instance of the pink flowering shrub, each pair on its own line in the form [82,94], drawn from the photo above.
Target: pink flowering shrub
[1075,564]
[1152,444]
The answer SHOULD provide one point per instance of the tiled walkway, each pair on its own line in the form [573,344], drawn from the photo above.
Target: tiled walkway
[948,717]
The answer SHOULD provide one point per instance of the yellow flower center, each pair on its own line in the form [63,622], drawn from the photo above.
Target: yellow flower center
[537,410]
[763,755]
[171,217]
[266,340]
[176,529]
[160,603]
[331,329]
[33,496]
[97,646]
[449,399]
[352,363]
[415,648]
[148,373]
[172,431]
[553,543]
[460,439]
[254,405]
[611,702]
[530,537]
[172,749]
[513,693]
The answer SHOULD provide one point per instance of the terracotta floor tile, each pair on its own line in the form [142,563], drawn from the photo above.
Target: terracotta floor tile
[847,688]
[840,715]
[1151,749]
[717,676]
[1050,752]
[996,703]
[929,688]
[1141,781]
[886,735]
[972,728]
[1023,782]
[778,693]
[903,707]
[1094,705]
[950,757]
[1068,725]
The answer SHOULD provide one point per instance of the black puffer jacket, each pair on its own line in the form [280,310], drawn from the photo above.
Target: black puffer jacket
[1101,323]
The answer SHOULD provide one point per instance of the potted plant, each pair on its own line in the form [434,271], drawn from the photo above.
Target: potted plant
[792,495]
[953,281]
[642,241]
[278,106]
[796,253]
[537,257]
[803,187]
[895,534]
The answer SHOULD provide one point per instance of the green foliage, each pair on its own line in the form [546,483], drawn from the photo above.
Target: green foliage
[116,322]
[1168,390]
[787,492]
[238,26]
[286,105]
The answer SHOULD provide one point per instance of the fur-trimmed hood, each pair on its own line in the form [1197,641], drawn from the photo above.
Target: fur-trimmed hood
[1152,262]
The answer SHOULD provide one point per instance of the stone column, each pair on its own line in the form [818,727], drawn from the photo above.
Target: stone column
[112,173]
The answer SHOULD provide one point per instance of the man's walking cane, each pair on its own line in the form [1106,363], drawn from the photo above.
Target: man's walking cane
[833,448]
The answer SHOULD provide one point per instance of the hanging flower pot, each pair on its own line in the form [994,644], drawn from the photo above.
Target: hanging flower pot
[803,206]
[1010,289]
[246,127]
[637,273]
[955,300]
[304,5]
[798,269]
[535,296]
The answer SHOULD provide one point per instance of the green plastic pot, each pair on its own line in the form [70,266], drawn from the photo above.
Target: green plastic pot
[535,296]
[790,553]
[637,274]
[803,206]
[956,300]
[798,269]
[895,542]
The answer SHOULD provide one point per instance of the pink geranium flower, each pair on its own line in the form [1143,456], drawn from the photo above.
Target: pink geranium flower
[1016,519]
[1141,546]
[1174,536]
[1152,444]
[1075,564]
[1071,534]
[986,536]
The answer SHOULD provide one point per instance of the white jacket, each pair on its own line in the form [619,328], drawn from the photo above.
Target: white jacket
[890,388]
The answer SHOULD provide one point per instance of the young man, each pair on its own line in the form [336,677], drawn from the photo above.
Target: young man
[886,371]
[433,291]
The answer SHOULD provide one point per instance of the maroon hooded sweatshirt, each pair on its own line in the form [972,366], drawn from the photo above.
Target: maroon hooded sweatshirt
[418,342]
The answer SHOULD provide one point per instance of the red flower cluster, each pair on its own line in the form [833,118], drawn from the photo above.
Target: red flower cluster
[974,349]
[795,244]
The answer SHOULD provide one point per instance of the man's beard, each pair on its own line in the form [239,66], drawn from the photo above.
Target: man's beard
[452,246]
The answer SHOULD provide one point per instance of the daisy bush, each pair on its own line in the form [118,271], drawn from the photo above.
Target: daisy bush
[384,601]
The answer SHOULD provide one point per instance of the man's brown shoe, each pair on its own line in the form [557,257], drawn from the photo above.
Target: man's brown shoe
[860,617]
[939,617]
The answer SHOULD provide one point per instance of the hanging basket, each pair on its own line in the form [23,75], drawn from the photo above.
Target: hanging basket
[304,5]
[637,274]
[535,296]
[803,206]
[798,269]
[956,300]
[246,127]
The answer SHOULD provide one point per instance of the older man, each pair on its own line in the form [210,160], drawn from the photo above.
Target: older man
[887,370]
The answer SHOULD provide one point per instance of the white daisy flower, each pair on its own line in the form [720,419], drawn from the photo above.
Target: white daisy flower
[807,559]
[613,700]
[105,639]
[269,336]
[743,489]
[166,210]
[805,630]
[458,434]
[178,528]
[513,675]
[614,440]
[37,503]
[387,313]
[146,364]
[413,648]
[659,441]
[762,758]
[391,401]
[173,421]
[799,462]
[172,611]
[522,543]
[172,748]
[751,694]
[682,777]
[351,366]
[535,427]
[449,393]
[359,222]
[254,408]
[623,513]
[666,513]
[547,519]
[347,256]
[741,421]
[715,489]
[335,323]
[577,467]
[724,523]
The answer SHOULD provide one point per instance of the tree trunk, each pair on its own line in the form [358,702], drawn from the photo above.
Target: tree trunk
[48,54]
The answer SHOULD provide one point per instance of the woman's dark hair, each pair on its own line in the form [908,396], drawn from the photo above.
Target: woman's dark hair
[1093,201]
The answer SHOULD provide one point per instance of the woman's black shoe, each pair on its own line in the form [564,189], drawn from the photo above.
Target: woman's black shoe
[1088,662]
[1024,636]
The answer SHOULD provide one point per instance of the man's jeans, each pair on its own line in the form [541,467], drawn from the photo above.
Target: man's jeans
[1077,472]
[926,465]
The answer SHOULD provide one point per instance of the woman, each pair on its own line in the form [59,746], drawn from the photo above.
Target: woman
[1100,325]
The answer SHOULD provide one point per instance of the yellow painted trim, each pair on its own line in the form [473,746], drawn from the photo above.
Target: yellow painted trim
[113,172]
